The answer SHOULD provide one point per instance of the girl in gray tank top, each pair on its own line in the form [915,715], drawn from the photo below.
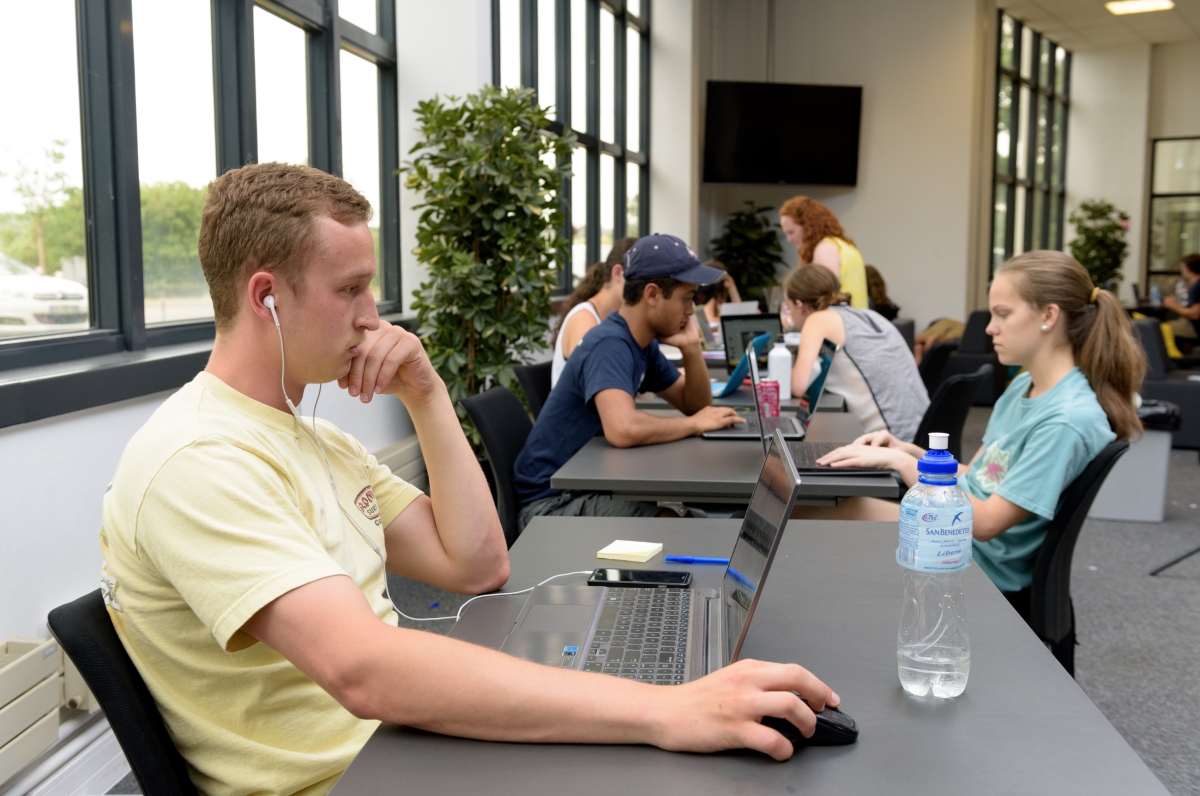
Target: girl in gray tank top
[873,368]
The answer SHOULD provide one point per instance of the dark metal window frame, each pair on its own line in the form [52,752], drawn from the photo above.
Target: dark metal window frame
[1171,271]
[589,139]
[111,361]
[1058,106]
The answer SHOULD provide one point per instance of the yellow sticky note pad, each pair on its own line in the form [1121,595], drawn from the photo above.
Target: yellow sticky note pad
[622,550]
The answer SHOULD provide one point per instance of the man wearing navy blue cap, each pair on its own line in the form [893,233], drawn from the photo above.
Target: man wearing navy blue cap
[612,364]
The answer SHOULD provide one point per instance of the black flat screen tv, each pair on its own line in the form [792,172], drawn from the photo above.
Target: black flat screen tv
[785,133]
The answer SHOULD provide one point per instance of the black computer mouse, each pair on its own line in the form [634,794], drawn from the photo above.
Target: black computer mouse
[834,728]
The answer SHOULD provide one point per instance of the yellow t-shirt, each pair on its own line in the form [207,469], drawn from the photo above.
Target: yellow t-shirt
[219,505]
[853,274]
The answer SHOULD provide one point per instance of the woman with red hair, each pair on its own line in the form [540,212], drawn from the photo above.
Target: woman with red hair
[819,238]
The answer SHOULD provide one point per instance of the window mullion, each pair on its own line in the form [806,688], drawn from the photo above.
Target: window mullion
[233,83]
[389,160]
[592,37]
[324,90]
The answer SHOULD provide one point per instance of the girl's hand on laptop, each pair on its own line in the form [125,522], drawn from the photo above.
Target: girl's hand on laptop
[860,455]
[885,439]
[724,709]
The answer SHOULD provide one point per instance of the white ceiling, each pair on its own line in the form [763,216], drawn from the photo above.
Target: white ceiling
[1087,24]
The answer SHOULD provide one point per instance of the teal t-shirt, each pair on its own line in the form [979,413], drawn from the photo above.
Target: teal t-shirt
[1032,450]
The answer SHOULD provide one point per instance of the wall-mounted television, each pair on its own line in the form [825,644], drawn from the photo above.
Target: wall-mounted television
[785,133]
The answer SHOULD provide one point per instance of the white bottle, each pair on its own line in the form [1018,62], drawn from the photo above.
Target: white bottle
[779,368]
[933,652]
[1155,296]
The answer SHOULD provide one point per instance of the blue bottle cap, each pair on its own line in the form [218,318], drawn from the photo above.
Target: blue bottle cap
[937,460]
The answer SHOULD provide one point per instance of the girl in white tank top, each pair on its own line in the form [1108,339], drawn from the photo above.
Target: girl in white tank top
[598,294]
[560,361]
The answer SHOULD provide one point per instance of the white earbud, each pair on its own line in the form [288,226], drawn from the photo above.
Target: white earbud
[269,303]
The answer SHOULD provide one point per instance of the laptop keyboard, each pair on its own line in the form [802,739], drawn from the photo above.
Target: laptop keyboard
[805,454]
[642,635]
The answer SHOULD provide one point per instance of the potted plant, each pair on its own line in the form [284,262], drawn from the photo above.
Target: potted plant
[1099,243]
[490,234]
[750,249]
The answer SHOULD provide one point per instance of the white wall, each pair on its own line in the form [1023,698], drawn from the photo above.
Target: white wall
[1106,146]
[1175,90]
[911,211]
[442,47]
[52,479]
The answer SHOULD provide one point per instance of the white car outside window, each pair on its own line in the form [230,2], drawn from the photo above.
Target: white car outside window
[31,303]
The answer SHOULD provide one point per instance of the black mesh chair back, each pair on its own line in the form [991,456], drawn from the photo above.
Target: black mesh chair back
[949,407]
[535,381]
[86,635]
[503,426]
[1051,615]
[1149,332]
[975,339]
[933,365]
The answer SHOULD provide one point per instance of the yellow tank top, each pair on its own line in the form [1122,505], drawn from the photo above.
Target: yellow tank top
[853,274]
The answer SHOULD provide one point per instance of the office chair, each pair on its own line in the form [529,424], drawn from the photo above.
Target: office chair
[1166,381]
[87,636]
[535,381]
[503,426]
[974,350]
[933,365]
[948,409]
[1050,612]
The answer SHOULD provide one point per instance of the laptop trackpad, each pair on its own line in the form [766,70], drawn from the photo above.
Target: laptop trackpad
[558,619]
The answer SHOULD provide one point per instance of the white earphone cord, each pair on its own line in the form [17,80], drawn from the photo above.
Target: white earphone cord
[333,485]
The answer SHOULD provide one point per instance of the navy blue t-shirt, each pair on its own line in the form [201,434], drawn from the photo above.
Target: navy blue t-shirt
[1193,300]
[608,357]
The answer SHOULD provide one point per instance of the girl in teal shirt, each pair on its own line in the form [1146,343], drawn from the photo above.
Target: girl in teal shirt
[1082,367]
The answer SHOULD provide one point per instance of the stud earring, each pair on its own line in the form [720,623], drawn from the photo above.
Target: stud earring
[1045,328]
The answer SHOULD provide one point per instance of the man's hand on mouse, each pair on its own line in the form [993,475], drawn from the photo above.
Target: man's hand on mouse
[724,709]
[391,361]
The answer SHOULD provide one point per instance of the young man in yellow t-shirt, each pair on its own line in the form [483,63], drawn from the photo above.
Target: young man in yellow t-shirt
[241,570]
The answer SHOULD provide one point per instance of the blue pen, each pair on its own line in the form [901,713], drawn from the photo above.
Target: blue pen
[695,560]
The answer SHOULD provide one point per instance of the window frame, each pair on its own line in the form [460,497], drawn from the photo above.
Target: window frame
[1148,273]
[111,185]
[589,140]
[1059,106]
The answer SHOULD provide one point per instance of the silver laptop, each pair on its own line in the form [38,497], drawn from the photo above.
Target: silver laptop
[659,635]
[738,330]
[757,426]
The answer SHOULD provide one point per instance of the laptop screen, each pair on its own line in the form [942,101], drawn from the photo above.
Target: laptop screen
[808,401]
[738,330]
[768,512]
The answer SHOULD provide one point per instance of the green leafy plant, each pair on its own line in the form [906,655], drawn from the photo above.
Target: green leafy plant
[749,248]
[490,233]
[1100,245]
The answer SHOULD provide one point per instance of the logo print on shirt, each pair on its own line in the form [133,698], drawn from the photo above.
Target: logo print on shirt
[992,468]
[367,504]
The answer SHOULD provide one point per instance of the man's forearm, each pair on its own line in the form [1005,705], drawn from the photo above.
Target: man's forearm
[641,428]
[462,502]
[697,390]
[442,685]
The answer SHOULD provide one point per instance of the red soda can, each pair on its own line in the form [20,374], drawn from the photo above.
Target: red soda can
[768,397]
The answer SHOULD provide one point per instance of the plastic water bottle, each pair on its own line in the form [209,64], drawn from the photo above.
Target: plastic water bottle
[1181,292]
[933,652]
[1155,296]
[779,368]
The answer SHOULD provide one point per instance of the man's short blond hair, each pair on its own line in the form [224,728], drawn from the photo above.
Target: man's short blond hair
[261,217]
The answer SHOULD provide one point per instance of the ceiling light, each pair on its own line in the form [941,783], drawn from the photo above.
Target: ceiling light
[1120,7]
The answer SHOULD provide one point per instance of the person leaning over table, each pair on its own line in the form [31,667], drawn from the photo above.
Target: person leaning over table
[616,361]
[242,584]
[1082,367]
[872,368]
[596,295]
[819,238]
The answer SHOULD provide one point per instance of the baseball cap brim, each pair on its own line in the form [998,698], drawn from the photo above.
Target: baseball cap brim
[699,275]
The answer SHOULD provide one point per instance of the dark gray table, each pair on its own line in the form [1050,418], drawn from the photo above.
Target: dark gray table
[697,470]
[832,604]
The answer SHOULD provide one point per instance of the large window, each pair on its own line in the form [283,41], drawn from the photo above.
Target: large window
[1174,209]
[1033,80]
[131,108]
[589,61]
